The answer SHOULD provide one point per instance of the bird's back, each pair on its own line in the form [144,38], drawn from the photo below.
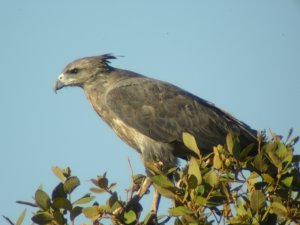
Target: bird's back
[162,112]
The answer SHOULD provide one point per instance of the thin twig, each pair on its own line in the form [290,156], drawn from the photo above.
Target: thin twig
[26,203]
[132,180]
[8,220]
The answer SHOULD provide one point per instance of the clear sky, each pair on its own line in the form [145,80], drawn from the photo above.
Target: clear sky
[244,56]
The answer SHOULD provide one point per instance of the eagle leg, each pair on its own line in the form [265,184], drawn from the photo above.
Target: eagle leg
[156,196]
[144,188]
[155,201]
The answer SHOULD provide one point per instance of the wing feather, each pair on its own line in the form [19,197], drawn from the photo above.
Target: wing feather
[163,111]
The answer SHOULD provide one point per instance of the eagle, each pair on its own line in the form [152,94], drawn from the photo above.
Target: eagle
[151,115]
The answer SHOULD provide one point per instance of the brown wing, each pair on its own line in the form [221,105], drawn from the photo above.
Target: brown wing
[163,112]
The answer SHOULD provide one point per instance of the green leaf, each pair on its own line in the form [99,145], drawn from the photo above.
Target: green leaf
[233,145]
[212,178]
[76,211]
[192,181]
[294,140]
[216,199]
[200,190]
[180,211]
[62,203]
[289,134]
[129,217]
[270,147]
[112,186]
[162,181]
[70,184]
[268,178]
[275,159]
[195,170]
[217,161]
[230,142]
[257,200]
[42,199]
[168,193]
[281,151]
[271,150]
[97,190]
[259,163]
[226,189]
[59,218]
[186,213]
[190,142]
[21,217]
[59,173]
[165,190]
[113,202]
[240,207]
[102,182]
[139,178]
[42,218]
[83,200]
[287,181]
[279,209]
[59,191]
[245,151]
[91,212]
[164,186]
[236,220]
[288,159]
[153,168]
[201,201]
[253,175]
[67,172]
[95,182]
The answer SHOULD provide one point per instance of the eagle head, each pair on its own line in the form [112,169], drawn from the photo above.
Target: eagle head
[81,71]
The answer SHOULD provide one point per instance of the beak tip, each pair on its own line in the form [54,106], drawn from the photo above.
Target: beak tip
[54,88]
[57,85]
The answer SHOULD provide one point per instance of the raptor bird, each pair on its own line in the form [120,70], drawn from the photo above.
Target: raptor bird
[151,115]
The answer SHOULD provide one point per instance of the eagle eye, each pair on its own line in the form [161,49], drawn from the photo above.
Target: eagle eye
[74,71]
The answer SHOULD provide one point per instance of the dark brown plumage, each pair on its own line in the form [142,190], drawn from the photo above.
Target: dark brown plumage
[148,114]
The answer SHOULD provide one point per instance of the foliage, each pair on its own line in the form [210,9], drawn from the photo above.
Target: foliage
[228,186]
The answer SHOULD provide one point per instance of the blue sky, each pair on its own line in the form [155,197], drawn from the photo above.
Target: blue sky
[241,55]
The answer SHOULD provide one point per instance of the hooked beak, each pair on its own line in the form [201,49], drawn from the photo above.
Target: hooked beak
[59,84]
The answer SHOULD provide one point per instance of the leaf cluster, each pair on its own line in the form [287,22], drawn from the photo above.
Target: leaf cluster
[231,185]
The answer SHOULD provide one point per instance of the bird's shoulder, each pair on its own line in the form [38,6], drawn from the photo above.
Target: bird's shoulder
[155,108]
